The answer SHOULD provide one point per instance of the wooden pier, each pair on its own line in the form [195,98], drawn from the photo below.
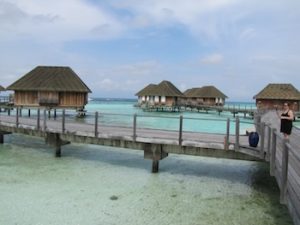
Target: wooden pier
[282,155]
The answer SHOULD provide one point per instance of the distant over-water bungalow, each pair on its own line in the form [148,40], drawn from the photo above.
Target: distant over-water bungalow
[206,95]
[163,94]
[274,95]
[50,87]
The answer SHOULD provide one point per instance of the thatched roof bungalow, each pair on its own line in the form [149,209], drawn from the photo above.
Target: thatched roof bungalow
[206,95]
[164,93]
[274,95]
[52,87]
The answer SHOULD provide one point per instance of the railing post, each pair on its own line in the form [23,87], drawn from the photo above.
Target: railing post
[227,134]
[180,129]
[237,134]
[284,172]
[262,141]
[63,121]
[17,117]
[273,153]
[96,124]
[38,119]
[268,143]
[45,120]
[134,127]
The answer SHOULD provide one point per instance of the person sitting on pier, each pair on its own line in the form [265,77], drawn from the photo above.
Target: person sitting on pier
[287,117]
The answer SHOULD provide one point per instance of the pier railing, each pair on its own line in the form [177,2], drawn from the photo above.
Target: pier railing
[134,126]
[284,157]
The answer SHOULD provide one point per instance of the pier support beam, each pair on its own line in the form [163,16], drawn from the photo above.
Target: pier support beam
[54,140]
[155,153]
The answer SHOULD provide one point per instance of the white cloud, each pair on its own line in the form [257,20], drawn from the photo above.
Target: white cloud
[55,20]
[212,59]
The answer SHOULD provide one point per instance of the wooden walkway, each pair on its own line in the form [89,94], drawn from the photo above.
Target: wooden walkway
[284,158]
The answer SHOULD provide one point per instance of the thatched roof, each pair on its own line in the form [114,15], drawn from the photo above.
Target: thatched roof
[279,92]
[164,88]
[50,78]
[2,88]
[205,92]
[146,91]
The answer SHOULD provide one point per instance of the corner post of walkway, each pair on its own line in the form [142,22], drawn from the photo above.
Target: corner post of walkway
[134,127]
[262,141]
[273,152]
[96,124]
[284,171]
[237,134]
[180,129]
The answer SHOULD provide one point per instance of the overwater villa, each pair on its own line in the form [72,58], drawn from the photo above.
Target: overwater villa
[274,95]
[50,87]
[204,96]
[163,94]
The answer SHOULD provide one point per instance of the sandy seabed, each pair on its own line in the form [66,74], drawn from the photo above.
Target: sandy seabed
[102,185]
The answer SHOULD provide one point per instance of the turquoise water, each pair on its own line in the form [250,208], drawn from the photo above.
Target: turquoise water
[199,122]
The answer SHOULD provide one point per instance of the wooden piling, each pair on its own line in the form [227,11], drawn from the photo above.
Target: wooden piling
[262,140]
[227,134]
[180,129]
[1,138]
[268,143]
[155,166]
[45,120]
[29,112]
[134,126]
[38,119]
[273,152]
[63,121]
[237,134]
[96,124]
[17,117]
[284,172]
[54,113]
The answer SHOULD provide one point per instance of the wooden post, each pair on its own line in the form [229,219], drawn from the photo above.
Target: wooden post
[96,124]
[45,119]
[8,112]
[227,134]
[268,143]
[54,113]
[273,153]
[49,113]
[38,119]
[180,129]
[17,117]
[155,166]
[63,121]
[284,172]
[134,127]
[20,113]
[28,112]
[1,138]
[262,140]
[237,134]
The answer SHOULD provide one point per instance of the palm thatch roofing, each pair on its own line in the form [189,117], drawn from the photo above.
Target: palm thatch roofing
[2,88]
[279,92]
[146,91]
[164,88]
[204,92]
[50,78]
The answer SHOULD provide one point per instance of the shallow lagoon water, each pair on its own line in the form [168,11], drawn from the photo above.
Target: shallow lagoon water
[102,185]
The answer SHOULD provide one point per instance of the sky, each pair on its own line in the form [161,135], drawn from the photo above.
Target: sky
[119,46]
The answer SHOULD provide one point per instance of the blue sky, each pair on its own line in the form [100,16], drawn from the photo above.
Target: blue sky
[119,46]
